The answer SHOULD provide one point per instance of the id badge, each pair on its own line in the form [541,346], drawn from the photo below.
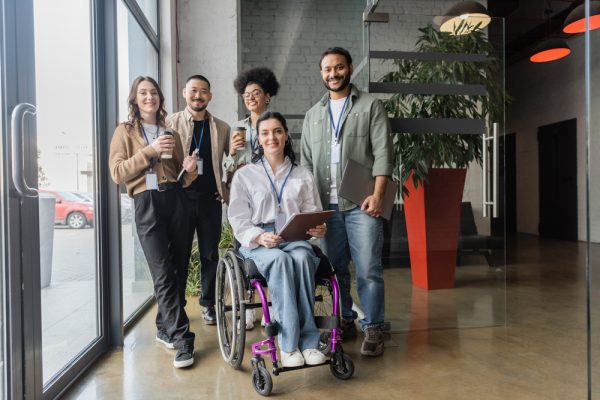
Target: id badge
[200,165]
[279,221]
[336,153]
[151,181]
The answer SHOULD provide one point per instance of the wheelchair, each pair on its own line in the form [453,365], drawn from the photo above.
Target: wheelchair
[237,281]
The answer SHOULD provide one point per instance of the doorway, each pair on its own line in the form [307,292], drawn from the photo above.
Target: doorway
[557,148]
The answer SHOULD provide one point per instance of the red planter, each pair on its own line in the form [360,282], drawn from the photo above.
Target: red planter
[432,214]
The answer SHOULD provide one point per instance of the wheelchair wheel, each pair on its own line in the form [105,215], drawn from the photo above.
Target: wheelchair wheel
[230,310]
[262,381]
[341,366]
[324,307]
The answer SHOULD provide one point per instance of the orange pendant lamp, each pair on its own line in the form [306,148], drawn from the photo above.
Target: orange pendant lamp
[550,50]
[575,22]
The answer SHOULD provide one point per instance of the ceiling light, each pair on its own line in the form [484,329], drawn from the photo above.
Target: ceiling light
[464,18]
[575,21]
[550,50]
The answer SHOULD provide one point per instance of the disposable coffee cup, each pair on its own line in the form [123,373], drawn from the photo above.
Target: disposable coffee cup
[166,155]
[240,131]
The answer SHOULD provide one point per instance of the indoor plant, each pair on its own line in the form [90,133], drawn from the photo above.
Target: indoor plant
[426,161]
[227,241]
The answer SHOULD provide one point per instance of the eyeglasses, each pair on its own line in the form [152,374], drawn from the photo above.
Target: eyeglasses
[253,94]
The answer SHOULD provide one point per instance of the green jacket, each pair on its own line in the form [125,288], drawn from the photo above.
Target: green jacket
[364,135]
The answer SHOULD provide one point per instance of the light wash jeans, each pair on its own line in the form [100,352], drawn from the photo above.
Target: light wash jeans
[355,234]
[290,274]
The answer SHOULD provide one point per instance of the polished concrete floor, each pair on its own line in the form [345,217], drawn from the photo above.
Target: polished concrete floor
[503,333]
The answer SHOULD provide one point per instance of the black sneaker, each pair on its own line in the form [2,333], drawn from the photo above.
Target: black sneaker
[162,337]
[372,344]
[209,315]
[348,329]
[184,357]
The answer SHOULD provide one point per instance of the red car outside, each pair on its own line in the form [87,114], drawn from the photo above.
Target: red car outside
[71,210]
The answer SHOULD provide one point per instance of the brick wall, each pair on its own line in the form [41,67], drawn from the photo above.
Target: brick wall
[289,37]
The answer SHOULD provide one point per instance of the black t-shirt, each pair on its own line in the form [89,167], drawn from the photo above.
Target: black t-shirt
[205,183]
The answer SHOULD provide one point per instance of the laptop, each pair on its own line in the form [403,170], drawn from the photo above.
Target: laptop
[358,183]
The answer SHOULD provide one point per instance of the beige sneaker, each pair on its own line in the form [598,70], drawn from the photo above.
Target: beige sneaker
[372,344]
[313,357]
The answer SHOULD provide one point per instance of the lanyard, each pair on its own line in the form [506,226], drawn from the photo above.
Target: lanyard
[252,141]
[198,144]
[336,129]
[144,132]
[152,160]
[280,194]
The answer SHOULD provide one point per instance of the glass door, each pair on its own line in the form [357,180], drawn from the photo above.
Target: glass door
[3,325]
[51,192]
[444,247]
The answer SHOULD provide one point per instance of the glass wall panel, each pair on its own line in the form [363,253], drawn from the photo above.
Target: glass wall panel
[136,56]
[150,9]
[444,247]
[2,266]
[66,176]
[592,114]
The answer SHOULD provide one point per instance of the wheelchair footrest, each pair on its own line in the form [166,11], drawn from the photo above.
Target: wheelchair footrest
[330,322]
[271,329]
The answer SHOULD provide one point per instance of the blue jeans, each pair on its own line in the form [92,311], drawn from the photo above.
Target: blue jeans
[354,234]
[290,274]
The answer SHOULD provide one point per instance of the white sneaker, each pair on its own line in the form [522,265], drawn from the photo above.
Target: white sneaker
[250,317]
[293,359]
[313,357]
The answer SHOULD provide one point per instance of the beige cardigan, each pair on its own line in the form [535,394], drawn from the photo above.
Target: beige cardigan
[183,122]
[130,158]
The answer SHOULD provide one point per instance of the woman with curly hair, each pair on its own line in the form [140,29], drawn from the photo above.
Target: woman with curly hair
[256,86]
[147,158]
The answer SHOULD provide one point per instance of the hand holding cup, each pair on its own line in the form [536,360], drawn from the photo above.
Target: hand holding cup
[238,140]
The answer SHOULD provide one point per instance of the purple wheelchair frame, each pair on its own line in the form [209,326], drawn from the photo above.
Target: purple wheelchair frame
[258,347]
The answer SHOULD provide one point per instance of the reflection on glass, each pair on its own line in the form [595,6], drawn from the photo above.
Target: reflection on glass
[66,179]
[136,57]
[474,277]
[593,213]
[2,266]
[150,9]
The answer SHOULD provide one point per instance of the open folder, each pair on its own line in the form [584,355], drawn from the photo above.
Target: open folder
[295,228]
[358,183]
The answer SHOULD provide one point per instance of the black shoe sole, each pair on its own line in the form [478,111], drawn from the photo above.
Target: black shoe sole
[207,322]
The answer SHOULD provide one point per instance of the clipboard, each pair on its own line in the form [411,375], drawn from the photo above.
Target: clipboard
[295,228]
[358,183]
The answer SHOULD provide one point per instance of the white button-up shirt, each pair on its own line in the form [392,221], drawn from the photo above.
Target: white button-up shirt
[253,201]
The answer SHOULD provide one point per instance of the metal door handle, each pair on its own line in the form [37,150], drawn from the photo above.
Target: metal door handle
[494,201]
[18,166]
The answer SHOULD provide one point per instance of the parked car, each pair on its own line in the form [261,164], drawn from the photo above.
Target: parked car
[86,196]
[71,210]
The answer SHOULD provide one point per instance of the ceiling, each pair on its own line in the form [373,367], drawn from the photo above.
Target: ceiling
[526,23]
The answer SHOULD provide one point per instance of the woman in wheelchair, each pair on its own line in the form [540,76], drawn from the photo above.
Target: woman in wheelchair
[264,194]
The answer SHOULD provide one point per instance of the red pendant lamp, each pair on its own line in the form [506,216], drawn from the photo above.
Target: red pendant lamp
[575,22]
[550,50]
